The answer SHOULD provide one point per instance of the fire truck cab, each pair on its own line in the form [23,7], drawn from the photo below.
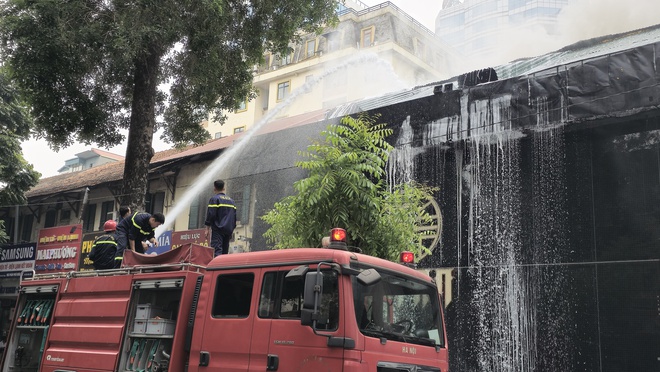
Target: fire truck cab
[305,309]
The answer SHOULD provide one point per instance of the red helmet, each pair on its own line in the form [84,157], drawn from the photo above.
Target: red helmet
[110,225]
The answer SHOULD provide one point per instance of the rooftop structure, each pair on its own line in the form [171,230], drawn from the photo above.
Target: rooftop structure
[88,159]
[373,50]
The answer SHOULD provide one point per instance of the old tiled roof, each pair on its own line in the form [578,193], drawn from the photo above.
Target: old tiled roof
[210,146]
[113,172]
[273,126]
[77,180]
[106,173]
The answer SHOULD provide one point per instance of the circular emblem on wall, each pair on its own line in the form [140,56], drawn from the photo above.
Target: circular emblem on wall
[430,229]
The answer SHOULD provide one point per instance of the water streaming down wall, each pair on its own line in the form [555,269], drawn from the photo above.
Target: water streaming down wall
[549,188]
[506,314]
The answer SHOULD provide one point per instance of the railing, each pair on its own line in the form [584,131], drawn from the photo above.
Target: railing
[261,69]
[385,5]
[183,266]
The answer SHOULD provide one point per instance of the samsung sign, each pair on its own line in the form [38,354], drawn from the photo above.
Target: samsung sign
[14,259]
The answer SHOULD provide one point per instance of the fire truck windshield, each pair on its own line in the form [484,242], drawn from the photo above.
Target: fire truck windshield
[400,309]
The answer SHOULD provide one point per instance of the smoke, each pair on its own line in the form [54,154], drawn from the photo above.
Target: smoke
[579,20]
[586,19]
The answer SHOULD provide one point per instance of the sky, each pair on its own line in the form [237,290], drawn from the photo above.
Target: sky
[581,20]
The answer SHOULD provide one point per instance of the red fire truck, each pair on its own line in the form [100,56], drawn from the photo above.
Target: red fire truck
[305,309]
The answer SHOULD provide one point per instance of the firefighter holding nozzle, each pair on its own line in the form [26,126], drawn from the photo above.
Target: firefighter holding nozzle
[139,227]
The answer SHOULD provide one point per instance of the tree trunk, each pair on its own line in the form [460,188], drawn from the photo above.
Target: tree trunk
[139,150]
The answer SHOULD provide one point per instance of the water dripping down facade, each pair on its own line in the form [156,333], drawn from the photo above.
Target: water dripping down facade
[549,191]
[549,203]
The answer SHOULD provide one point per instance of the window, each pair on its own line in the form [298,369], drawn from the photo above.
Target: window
[437,60]
[233,295]
[367,37]
[89,218]
[65,216]
[513,4]
[26,230]
[239,129]
[242,201]
[483,8]
[107,212]
[289,302]
[456,20]
[242,106]
[485,25]
[399,309]
[267,298]
[333,39]
[283,90]
[155,203]
[50,218]
[218,134]
[197,213]
[308,86]
[421,49]
[283,60]
[292,296]
[310,48]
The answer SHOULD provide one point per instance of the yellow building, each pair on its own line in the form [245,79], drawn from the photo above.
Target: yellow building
[371,51]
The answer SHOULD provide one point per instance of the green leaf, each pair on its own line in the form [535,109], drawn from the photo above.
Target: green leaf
[345,188]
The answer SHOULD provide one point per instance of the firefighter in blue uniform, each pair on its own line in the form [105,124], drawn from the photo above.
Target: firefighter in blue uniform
[136,228]
[220,219]
[104,247]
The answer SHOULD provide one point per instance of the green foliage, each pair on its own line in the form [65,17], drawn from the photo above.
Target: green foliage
[16,175]
[346,188]
[4,238]
[77,59]
[92,68]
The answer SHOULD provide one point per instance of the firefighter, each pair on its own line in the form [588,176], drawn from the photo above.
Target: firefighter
[105,247]
[136,228]
[220,219]
[124,212]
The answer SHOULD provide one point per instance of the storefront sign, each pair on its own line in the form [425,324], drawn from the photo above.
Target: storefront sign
[85,264]
[58,249]
[196,236]
[164,243]
[14,259]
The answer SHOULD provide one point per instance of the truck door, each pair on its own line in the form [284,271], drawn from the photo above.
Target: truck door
[294,347]
[228,318]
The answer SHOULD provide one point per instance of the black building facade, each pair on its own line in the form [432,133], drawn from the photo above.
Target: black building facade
[549,188]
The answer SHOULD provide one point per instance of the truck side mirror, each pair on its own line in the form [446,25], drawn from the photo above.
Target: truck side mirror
[313,289]
[312,293]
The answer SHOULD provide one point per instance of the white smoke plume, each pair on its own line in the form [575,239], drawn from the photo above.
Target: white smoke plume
[580,20]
